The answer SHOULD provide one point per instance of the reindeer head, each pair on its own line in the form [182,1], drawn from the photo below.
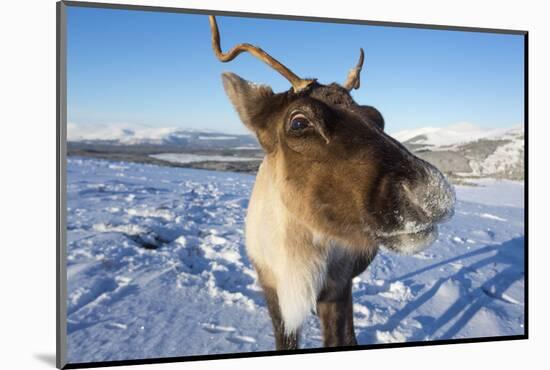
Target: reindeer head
[337,170]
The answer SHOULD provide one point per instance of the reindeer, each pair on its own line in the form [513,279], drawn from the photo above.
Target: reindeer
[332,189]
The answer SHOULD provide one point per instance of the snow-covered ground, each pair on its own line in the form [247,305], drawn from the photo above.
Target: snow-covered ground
[157,267]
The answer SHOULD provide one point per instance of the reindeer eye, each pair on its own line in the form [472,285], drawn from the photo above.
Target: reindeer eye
[299,122]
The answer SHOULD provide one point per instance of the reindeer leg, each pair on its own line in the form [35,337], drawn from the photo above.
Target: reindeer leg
[335,310]
[283,341]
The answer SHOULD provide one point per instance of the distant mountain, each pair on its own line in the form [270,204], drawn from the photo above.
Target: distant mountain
[466,151]
[124,135]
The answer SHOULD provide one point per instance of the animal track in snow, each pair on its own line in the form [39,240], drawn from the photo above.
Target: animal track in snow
[239,339]
[211,328]
[116,325]
[230,331]
[492,217]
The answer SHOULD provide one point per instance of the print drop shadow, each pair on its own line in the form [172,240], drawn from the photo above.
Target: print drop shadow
[463,309]
[46,358]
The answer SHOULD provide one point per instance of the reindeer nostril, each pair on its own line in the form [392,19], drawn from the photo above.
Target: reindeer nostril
[432,196]
[439,196]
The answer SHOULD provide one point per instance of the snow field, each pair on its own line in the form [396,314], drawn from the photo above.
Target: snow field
[157,267]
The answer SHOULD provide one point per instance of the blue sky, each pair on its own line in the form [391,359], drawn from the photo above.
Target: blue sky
[158,69]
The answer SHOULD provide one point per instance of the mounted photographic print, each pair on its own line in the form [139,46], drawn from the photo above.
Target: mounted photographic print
[237,185]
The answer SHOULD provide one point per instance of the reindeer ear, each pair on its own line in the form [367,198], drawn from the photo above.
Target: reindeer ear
[252,102]
[249,99]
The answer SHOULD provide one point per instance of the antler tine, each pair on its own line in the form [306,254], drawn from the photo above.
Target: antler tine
[298,83]
[354,76]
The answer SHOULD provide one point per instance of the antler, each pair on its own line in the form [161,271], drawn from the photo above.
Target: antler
[298,83]
[353,81]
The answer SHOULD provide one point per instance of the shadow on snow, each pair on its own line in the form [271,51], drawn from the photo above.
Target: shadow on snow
[509,253]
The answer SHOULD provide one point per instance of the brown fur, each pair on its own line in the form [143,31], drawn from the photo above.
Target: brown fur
[325,199]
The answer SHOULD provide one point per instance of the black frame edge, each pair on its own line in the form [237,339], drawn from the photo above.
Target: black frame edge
[225,356]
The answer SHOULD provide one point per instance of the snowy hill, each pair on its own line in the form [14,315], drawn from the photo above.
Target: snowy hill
[467,151]
[157,267]
[455,134]
[134,135]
